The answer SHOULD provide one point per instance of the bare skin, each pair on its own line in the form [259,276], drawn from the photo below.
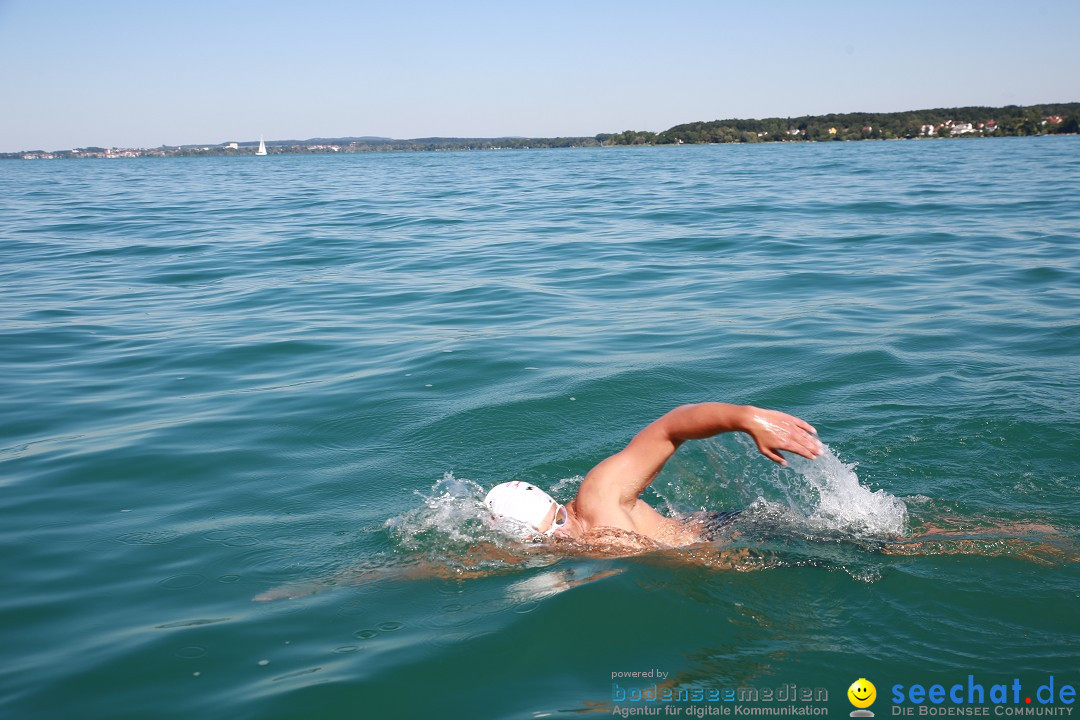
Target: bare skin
[610,495]
[1037,542]
[608,518]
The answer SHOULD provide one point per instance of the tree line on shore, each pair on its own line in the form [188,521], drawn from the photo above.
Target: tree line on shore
[1011,120]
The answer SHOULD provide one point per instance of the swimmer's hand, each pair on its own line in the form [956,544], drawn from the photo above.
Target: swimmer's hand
[290,592]
[774,431]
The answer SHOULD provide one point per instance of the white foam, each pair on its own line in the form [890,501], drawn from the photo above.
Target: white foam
[452,512]
[821,494]
[824,494]
[843,503]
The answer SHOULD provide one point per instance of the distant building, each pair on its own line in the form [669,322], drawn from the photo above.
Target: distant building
[233,146]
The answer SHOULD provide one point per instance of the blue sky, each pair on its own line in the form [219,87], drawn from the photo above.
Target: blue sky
[125,73]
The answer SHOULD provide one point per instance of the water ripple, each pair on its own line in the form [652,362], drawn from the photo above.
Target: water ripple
[221,377]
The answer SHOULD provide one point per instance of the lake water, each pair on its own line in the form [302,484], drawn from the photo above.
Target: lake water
[223,376]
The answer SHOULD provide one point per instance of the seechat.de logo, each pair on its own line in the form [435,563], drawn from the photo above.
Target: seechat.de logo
[862,695]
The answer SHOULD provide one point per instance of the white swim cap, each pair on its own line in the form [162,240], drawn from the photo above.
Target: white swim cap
[524,505]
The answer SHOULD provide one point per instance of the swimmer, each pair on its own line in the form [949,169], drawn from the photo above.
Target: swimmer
[609,497]
[608,518]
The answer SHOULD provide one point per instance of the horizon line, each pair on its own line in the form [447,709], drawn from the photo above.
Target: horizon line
[459,138]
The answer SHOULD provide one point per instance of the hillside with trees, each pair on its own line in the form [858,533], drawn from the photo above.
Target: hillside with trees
[1012,120]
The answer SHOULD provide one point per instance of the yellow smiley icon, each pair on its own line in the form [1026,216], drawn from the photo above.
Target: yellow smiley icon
[862,693]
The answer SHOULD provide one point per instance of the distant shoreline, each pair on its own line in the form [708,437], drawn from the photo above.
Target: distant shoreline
[1007,121]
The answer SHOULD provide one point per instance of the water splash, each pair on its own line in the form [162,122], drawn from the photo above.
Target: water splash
[451,516]
[821,496]
[843,503]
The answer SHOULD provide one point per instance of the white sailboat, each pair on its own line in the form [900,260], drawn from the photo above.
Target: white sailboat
[262,147]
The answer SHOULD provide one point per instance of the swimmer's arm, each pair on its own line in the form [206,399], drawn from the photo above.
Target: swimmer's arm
[480,560]
[620,479]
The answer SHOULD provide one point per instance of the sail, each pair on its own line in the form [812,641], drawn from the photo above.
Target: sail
[262,147]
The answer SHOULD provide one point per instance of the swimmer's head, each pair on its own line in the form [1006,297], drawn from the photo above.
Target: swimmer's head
[521,508]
